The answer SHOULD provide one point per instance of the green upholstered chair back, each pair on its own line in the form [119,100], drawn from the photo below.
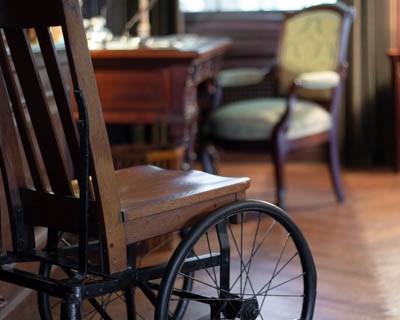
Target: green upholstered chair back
[311,41]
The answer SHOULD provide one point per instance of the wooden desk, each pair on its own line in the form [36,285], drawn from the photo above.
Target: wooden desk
[394,55]
[158,83]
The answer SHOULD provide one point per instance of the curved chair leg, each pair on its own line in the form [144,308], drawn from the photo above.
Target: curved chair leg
[217,96]
[279,158]
[334,168]
[209,159]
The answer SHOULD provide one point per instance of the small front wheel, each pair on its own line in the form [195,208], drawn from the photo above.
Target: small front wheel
[247,260]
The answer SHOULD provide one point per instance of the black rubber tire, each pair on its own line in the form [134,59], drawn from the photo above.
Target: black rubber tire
[237,305]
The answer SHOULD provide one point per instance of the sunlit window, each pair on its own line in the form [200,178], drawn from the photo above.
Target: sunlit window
[246,5]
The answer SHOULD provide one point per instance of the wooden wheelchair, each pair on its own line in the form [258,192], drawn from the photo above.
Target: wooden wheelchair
[230,258]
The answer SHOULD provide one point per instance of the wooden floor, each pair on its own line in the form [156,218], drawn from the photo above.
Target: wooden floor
[356,244]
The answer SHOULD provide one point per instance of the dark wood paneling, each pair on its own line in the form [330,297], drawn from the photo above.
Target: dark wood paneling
[254,34]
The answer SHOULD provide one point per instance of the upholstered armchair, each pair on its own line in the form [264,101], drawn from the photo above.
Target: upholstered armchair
[310,70]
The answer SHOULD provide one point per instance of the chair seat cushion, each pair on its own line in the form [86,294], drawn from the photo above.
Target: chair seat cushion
[254,120]
[240,77]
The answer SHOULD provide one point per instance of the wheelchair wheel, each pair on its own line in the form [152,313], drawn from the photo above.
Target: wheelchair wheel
[250,261]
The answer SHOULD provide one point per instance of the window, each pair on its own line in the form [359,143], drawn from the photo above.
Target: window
[246,5]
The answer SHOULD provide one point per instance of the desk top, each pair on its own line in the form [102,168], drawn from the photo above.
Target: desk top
[183,46]
[157,80]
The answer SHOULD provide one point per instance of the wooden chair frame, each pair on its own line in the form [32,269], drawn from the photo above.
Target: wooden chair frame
[279,145]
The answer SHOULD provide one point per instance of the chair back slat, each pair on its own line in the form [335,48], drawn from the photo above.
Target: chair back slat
[60,94]
[39,110]
[20,119]
[48,135]
[12,170]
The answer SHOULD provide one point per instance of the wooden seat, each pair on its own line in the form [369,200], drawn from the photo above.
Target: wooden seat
[169,200]
[43,151]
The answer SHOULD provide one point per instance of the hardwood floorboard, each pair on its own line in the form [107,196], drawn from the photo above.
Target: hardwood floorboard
[355,244]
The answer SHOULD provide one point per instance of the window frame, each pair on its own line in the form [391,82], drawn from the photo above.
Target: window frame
[263,6]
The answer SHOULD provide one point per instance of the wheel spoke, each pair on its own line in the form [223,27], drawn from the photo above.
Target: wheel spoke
[241,257]
[210,251]
[215,281]
[242,267]
[216,287]
[253,246]
[279,271]
[267,233]
[276,266]
[284,282]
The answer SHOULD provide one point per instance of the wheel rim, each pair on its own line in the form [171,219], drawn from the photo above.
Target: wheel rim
[271,271]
